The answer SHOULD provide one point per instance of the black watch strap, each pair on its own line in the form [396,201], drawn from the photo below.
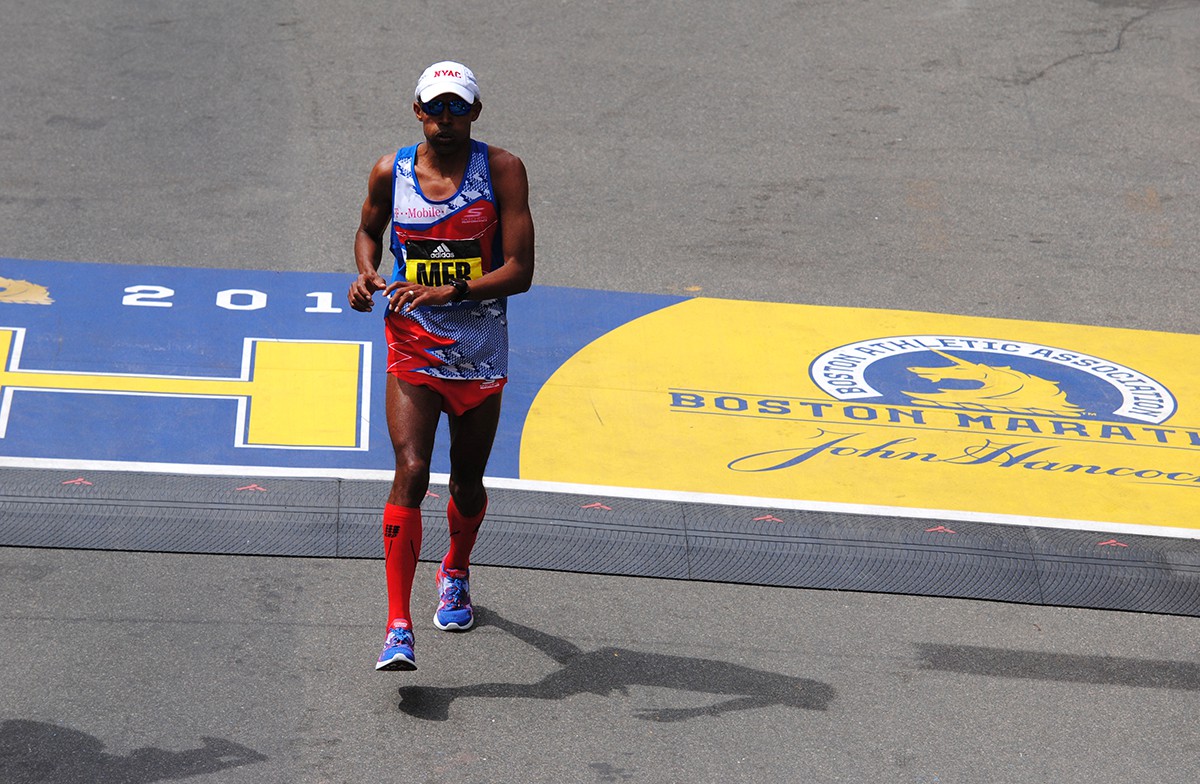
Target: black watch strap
[461,289]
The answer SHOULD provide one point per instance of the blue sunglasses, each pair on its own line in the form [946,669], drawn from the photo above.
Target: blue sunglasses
[458,107]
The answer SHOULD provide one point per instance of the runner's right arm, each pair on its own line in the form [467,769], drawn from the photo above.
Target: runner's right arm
[368,240]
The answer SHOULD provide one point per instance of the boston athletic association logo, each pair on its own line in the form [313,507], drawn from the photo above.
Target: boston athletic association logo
[990,375]
[954,401]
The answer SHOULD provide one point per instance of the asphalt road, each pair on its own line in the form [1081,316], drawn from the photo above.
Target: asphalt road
[1030,160]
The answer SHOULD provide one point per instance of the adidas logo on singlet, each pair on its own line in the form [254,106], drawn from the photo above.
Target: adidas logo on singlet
[441,252]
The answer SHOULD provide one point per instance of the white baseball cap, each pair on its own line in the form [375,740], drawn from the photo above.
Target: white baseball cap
[447,77]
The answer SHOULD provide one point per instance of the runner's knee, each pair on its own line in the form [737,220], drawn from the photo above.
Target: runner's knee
[410,481]
[469,496]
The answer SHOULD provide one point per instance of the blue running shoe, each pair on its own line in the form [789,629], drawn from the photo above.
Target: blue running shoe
[397,651]
[454,612]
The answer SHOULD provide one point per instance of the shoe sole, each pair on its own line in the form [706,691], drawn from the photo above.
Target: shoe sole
[398,662]
[454,627]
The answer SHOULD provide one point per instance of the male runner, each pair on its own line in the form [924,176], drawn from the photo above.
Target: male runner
[462,235]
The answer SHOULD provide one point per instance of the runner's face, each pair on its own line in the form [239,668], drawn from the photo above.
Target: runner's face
[445,131]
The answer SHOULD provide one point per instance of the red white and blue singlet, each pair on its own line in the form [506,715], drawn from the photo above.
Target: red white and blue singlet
[435,242]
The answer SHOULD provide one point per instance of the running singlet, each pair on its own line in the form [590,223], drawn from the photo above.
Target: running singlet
[435,242]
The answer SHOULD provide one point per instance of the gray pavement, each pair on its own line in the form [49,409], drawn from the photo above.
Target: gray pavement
[149,666]
[1023,159]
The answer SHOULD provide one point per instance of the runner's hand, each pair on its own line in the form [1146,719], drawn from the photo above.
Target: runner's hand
[403,296]
[363,289]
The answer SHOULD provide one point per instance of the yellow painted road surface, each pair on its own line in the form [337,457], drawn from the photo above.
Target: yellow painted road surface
[283,384]
[884,408]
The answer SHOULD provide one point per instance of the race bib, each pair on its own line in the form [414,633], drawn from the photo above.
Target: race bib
[437,262]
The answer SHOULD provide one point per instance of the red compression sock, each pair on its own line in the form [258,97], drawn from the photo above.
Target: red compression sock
[463,531]
[401,548]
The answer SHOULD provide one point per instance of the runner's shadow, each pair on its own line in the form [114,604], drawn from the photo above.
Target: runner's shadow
[31,751]
[608,670]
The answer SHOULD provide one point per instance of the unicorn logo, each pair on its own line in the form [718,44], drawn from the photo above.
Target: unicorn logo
[881,370]
[23,292]
[999,389]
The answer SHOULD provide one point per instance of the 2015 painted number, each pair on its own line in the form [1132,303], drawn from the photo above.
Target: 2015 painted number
[150,296]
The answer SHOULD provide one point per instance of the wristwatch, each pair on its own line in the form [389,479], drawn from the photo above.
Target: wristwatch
[461,289]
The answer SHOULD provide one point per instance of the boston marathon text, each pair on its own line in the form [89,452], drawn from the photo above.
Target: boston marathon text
[944,419]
